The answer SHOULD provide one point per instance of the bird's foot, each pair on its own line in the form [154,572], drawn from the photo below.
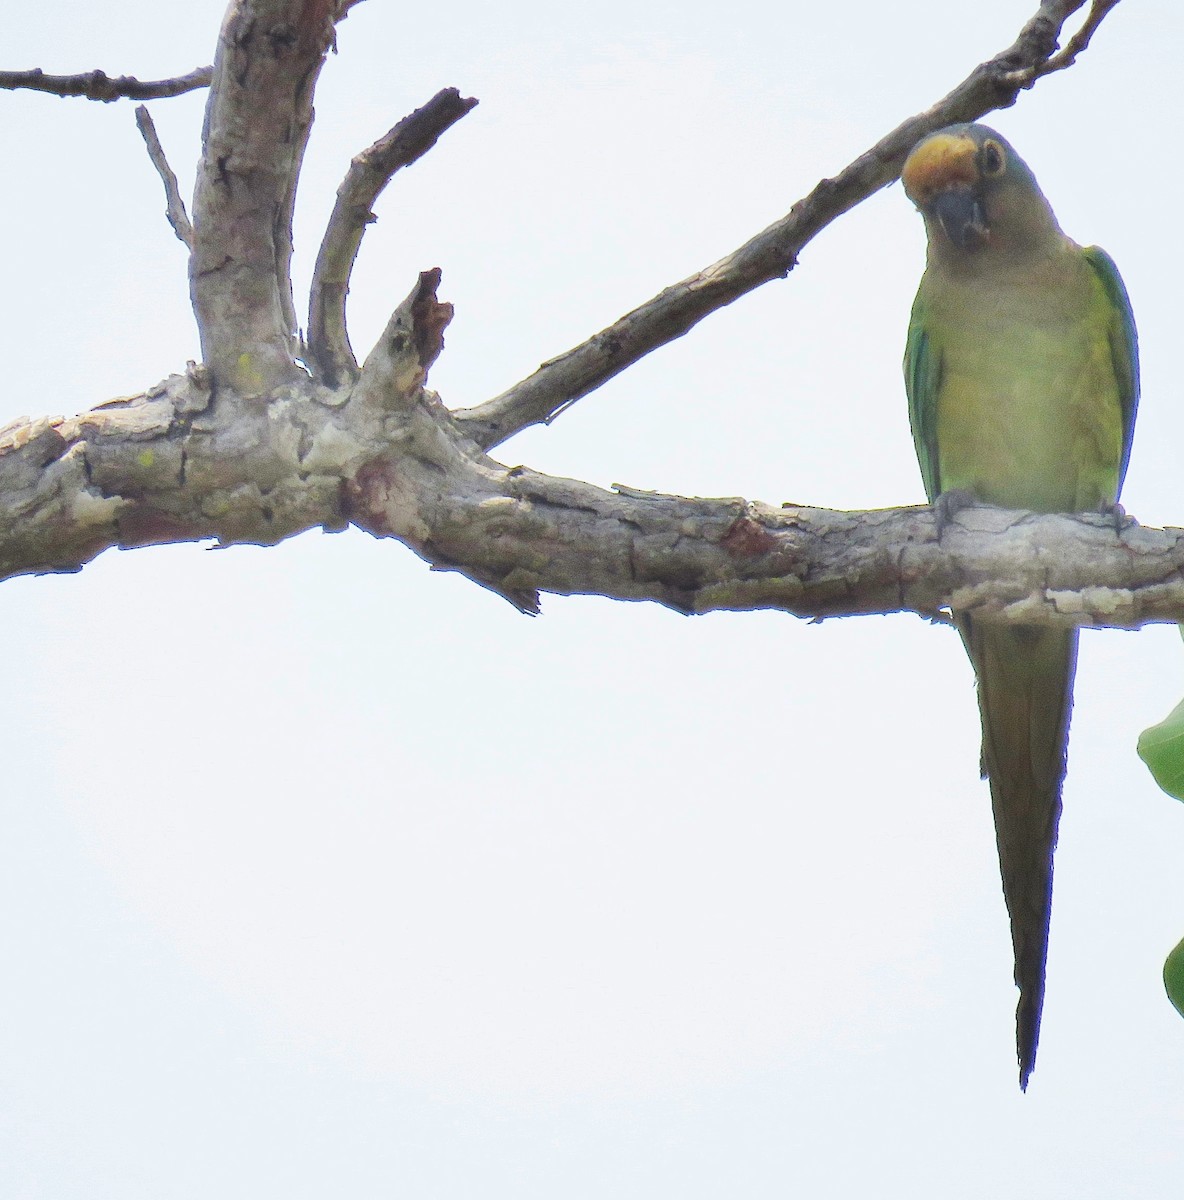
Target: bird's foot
[1116,515]
[948,505]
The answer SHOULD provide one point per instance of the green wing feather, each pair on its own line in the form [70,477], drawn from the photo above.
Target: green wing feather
[922,381]
[1124,346]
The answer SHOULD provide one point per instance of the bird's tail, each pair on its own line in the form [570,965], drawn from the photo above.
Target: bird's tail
[1025,693]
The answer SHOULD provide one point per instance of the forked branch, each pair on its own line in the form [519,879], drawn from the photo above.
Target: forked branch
[332,357]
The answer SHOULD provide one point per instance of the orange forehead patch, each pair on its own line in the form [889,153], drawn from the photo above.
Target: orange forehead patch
[939,162]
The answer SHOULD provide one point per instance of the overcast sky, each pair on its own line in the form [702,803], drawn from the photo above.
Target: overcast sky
[325,875]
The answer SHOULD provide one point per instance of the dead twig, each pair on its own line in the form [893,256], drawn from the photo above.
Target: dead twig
[98,85]
[1066,56]
[331,355]
[175,207]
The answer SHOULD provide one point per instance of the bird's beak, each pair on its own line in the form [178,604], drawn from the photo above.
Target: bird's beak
[960,213]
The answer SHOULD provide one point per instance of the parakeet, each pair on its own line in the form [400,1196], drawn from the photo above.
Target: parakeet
[1022,376]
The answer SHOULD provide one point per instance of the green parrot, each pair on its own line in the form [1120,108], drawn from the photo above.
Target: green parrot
[1022,377]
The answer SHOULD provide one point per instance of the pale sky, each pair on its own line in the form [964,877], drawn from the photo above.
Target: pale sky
[326,875]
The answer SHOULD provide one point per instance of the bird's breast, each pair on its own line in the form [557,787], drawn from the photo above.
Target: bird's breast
[1028,411]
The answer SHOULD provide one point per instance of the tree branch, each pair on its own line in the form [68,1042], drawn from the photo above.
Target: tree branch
[369,173]
[387,456]
[178,218]
[773,253]
[1067,56]
[259,113]
[97,85]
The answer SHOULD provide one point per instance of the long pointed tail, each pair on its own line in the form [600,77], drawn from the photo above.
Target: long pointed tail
[1025,693]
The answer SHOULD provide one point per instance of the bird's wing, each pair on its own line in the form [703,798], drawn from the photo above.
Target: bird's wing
[1124,345]
[922,379]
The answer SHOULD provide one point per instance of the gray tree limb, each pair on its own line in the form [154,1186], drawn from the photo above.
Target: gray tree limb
[97,85]
[329,350]
[258,118]
[171,465]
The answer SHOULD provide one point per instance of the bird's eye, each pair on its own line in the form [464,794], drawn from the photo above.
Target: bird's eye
[992,158]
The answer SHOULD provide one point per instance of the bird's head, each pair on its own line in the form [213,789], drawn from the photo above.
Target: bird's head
[975,192]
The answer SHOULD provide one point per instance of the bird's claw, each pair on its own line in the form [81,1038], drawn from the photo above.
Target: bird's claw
[948,505]
[1116,515]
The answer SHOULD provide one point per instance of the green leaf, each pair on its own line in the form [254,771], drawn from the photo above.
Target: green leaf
[1161,747]
[1173,977]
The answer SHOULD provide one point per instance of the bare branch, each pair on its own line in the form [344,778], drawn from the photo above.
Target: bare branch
[259,113]
[388,457]
[369,173]
[773,253]
[167,466]
[97,85]
[521,533]
[175,207]
[1067,56]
